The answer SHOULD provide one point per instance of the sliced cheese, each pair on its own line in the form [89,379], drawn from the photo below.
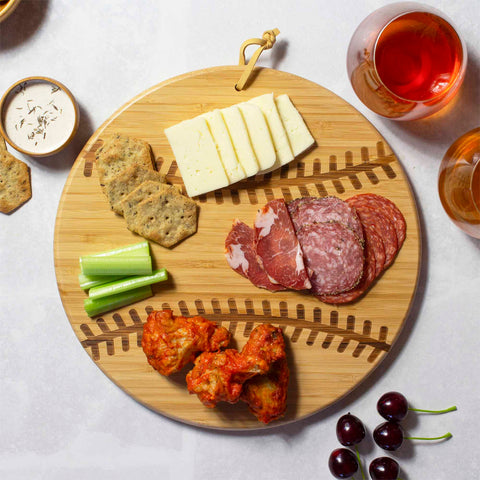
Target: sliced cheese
[280,140]
[298,134]
[259,134]
[221,137]
[197,157]
[240,139]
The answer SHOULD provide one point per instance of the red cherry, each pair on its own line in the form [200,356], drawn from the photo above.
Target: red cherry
[384,468]
[342,463]
[350,430]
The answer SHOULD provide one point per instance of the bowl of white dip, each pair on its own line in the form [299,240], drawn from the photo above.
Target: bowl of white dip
[38,116]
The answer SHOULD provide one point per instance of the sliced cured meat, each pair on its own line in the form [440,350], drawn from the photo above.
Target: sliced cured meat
[277,247]
[375,244]
[324,209]
[387,207]
[333,257]
[242,257]
[382,226]
[369,275]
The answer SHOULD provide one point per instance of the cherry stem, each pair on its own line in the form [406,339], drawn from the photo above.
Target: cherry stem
[447,435]
[451,409]
[360,463]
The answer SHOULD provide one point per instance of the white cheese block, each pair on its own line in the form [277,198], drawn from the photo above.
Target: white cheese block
[259,134]
[221,137]
[240,139]
[298,134]
[197,157]
[279,136]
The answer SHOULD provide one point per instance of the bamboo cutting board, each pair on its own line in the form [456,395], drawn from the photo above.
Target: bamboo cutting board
[330,348]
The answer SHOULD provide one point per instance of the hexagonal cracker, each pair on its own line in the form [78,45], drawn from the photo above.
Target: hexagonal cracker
[15,187]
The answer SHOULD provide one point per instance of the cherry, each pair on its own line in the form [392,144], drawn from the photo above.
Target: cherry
[384,468]
[350,430]
[393,406]
[342,463]
[389,436]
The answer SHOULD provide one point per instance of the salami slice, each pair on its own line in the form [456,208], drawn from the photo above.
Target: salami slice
[382,226]
[277,247]
[242,257]
[324,209]
[375,244]
[333,257]
[387,207]
[369,275]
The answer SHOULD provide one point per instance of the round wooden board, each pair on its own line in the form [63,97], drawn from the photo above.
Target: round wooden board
[331,349]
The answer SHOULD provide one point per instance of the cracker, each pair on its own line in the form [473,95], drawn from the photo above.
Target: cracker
[166,217]
[15,188]
[133,199]
[118,152]
[118,188]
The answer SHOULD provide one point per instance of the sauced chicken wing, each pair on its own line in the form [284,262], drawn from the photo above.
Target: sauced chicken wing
[265,343]
[171,342]
[218,377]
[266,395]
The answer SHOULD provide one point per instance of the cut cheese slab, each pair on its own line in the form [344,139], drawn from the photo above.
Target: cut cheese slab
[240,139]
[259,134]
[280,140]
[221,137]
[298,134]
[197,157]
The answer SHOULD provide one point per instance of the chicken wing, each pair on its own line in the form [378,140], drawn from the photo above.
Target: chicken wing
[266,343]
[218,377]
[171,342]
[266,395]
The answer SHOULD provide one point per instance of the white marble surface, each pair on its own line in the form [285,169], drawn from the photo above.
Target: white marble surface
[60,417]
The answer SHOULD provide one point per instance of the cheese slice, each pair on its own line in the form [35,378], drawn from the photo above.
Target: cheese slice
[197,157]
[297,131]
[279,136]
[240,139]
[259,134]
[221,137]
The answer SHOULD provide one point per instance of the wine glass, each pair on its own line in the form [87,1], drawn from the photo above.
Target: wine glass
[406,61]
[459,182]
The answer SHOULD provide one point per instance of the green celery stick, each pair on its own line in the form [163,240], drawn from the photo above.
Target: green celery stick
[129,283]
[97,306]
[142,248]
[89,281]
[116,265]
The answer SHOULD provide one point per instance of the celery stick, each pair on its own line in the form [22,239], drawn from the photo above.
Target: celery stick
[141,248]
[128,283]
[97,306]
[116,265]
[89,281]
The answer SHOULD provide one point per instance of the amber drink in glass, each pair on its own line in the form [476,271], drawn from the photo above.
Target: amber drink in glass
[459,182]
[406,61]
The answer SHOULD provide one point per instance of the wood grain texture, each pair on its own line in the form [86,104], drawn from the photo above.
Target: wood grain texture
[331,349]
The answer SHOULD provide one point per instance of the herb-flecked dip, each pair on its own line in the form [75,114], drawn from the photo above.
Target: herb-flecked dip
[38,116]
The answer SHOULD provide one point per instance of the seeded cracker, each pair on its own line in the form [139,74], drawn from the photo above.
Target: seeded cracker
[118,153]
[132,200]
[118,188]
[15,188]
[167,217]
